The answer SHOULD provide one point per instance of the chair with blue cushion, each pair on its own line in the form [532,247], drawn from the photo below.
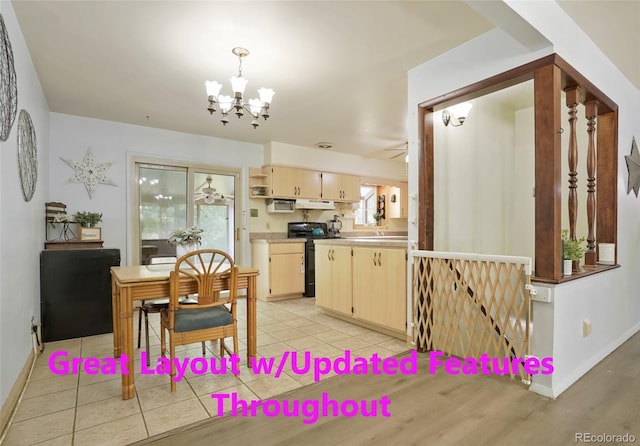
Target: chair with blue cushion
[210,273]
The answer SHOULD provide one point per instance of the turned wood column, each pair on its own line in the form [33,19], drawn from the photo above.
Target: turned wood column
[573,99]
[591,112]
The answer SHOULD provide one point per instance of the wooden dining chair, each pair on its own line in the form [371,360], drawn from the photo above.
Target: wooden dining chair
[156,305]
[153,305]
[212,272]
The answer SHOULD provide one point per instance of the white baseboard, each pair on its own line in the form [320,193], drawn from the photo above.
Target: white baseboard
[11,402]
[556,389]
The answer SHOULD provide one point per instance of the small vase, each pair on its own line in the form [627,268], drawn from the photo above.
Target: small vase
[567,269]
[575,265]
[183,249]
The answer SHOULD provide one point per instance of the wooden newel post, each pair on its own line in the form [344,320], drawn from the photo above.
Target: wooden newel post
[573,99]
[591,112]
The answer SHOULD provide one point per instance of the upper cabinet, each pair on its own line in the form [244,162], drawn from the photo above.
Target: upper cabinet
[340,187]
[291,182]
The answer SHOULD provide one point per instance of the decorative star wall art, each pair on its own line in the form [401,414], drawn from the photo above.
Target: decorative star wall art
[89,172]
[633,166]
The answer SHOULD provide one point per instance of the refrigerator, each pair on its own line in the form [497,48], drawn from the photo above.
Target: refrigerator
[75,292]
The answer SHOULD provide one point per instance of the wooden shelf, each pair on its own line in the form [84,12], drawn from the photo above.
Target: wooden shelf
[73,244]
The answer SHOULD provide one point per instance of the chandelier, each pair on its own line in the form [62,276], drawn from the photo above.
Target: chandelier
[236,104]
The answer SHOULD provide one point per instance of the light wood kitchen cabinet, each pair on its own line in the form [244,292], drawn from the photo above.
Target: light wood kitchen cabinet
[281,269]
[380,286]
[400,207]
[333,278]
[340,187]
[290,182]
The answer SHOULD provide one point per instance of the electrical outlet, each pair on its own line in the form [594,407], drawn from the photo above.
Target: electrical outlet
[268,224]
[253,212]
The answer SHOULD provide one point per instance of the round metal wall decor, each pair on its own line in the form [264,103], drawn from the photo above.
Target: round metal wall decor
[27,155]
[8,85]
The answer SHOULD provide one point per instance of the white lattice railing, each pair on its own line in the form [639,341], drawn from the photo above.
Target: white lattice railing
[468,304]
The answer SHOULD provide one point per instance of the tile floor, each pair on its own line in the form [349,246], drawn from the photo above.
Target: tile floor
[87,409]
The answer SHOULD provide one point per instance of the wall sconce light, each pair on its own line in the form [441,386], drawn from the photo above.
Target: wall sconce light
[458,113]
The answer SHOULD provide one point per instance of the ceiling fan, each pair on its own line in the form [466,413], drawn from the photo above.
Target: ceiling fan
[401,149]
[205,194]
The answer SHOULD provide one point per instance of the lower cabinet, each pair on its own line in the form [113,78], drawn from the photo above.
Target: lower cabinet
[380,286]
[281,269]
[333,278]
[366,283]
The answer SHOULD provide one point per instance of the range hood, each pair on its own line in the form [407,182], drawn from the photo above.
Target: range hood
[315,204]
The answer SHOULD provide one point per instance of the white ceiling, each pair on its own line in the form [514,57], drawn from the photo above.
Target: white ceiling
[338,68]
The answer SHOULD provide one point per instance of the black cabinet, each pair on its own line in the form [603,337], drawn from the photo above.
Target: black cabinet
[75,292]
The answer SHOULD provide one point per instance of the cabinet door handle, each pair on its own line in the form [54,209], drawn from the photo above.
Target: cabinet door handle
[374,258]
[379,259]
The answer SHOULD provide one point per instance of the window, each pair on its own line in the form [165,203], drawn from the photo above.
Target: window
[367,206]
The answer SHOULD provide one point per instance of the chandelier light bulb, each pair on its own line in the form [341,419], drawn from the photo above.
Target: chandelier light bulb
[238,84]
[213,88]
[225,103]
[266,94]
[255,105]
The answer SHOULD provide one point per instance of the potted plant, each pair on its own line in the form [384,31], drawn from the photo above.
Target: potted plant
[88,222]
[572,252]
[186,240]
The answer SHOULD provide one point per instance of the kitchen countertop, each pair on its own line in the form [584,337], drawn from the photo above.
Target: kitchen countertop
[280,240]
[391,242]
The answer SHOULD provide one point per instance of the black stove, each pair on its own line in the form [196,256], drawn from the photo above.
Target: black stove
[309,231]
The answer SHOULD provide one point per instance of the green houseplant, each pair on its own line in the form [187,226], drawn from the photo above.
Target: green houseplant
[88,221]
[572,250]
[186,238]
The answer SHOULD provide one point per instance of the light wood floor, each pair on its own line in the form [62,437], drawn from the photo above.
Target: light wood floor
[447,410]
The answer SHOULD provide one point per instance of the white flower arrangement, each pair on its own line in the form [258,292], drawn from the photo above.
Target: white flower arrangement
[62,217]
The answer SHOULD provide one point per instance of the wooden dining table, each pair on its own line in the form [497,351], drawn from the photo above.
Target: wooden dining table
[144,282]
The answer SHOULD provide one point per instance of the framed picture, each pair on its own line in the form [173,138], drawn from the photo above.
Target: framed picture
[90,233]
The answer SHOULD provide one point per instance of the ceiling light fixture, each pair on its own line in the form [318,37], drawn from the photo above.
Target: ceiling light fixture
[256,107]
[458,113]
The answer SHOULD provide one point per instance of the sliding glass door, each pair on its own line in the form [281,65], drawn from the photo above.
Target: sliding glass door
[214,210]
[177,197]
